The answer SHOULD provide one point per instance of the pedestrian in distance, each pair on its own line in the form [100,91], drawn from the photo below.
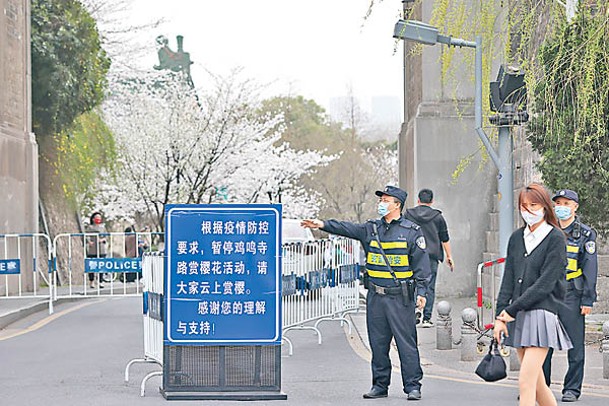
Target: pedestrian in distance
[397,274]
[435,230]
[135,246]
[581,274]
[96,244]
[532,288]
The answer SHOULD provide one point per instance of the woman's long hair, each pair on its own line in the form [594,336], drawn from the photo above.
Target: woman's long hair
[536,193]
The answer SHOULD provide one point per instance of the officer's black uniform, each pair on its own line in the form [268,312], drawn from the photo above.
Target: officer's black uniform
[388,315]
[582,269]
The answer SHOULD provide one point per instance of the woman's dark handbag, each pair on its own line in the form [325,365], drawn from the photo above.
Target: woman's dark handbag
[492,367]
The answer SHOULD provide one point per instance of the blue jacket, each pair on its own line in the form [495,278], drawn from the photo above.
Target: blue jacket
[403,243]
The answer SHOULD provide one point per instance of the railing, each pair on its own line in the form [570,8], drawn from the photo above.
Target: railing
[320,283]
[26,266]
[153,267]
[95,264]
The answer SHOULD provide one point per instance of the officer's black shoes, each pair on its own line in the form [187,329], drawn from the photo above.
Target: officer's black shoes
[414,394]
[376,393]
[569,397]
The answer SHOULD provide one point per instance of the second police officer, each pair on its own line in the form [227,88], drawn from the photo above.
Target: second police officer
[393,291]
[581,274]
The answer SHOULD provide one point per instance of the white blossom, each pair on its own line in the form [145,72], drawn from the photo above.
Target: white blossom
[179,146]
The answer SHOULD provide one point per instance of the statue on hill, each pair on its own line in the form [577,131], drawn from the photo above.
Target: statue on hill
[176,61]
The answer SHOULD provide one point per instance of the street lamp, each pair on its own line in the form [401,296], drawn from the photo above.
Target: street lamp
[420,32]
[403,162]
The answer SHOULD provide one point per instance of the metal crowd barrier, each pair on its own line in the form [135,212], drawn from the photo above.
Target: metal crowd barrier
[484,285]
[320,282]
[25,266]
[153,271]
[73,264]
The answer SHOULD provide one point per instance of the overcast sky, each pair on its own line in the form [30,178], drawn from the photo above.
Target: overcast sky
[316,48]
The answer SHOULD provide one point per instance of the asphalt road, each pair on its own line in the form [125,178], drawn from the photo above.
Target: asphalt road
[78,356]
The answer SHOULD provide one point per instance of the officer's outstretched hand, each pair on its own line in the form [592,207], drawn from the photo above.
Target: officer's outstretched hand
[421,300]
[312,223]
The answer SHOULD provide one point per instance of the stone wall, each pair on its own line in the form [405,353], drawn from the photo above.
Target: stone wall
[18,148]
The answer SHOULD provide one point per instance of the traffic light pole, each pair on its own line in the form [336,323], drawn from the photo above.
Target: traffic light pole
[420,32]
[503,160]
[505,187]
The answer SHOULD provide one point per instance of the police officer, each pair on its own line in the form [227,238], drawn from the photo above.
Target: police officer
[581,290]
[393,291]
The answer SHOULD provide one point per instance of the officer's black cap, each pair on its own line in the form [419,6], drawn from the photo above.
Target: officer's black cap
[393,192]
[567,194]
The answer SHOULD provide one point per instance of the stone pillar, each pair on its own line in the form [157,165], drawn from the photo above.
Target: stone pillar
[444,327]
[469,336]
[605,348]
[514,361]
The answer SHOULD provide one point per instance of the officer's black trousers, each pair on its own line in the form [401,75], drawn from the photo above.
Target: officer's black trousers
[574,323]
[388,317]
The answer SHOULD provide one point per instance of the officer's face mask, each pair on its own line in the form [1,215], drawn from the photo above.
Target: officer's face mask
[532,217]
[383,209]
[562,212]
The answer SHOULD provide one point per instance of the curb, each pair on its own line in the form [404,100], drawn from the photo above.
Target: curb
[16,315]
[10,318]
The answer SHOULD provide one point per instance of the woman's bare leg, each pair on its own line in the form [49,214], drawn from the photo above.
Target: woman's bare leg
[531,381]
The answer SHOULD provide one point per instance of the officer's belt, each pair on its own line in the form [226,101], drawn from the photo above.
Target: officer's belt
[573,275]
[384,290]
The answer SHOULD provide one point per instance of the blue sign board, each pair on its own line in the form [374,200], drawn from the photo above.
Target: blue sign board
[113,265]
[10,266]
[223,275]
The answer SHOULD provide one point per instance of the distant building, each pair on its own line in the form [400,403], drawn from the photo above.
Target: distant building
[382,111]
[386,110]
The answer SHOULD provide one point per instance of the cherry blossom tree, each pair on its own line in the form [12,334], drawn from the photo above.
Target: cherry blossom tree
[175,146]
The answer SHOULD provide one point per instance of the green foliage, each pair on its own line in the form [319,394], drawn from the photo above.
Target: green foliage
[83,150]
[305,123]
[69,65]
[568,81]
[570,128]
[346,184]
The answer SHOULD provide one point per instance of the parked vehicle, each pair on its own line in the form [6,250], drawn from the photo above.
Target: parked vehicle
[299,248]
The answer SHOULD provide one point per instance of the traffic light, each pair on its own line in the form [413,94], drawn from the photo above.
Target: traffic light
[509,89]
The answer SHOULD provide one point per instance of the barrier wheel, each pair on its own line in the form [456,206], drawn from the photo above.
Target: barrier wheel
[109,277]
[480,348]
[504,351]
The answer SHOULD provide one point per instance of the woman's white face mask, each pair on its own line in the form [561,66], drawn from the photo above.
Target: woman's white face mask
[533,217]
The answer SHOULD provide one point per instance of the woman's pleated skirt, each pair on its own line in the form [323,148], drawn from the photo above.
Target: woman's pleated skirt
[537,328]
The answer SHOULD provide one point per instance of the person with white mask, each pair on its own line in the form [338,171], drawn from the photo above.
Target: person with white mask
[532,290]
[581,275]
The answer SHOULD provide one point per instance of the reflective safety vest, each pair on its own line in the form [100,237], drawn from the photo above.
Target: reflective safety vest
[573,270]
[397,254]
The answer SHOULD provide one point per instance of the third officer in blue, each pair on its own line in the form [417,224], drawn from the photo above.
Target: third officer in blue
[581,274]
[393,291]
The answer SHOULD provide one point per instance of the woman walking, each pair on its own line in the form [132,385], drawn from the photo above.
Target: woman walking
[531,292]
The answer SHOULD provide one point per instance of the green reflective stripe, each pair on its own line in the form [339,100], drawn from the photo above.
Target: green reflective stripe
[573,275]
[387,274]
[394,260]
[389,245]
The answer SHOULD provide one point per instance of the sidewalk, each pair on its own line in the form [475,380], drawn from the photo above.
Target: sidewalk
[448,363]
